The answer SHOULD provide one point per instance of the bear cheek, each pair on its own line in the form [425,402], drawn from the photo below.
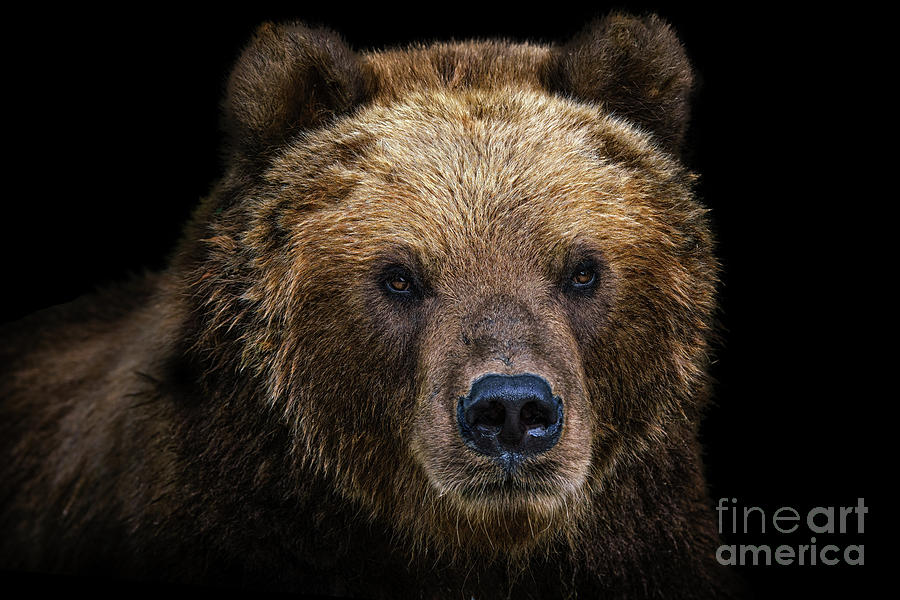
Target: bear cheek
[438,448]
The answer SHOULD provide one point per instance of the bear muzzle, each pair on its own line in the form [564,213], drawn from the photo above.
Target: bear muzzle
[510,417]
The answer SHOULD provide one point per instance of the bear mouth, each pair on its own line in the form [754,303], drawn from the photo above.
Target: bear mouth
[508,488]
[514,479]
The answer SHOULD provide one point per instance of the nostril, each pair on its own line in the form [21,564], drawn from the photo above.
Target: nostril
[535,415]
[489,415]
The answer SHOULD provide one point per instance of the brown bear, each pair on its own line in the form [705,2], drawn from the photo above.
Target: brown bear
[440,331]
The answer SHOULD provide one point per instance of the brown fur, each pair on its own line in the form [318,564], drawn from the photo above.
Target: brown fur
[264,413]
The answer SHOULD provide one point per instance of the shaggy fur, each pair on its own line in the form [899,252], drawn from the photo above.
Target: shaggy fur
[266,412]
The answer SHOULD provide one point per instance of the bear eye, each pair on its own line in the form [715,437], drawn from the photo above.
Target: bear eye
[583,277]
[399,284]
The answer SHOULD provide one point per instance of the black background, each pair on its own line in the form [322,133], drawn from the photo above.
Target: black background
[112,123]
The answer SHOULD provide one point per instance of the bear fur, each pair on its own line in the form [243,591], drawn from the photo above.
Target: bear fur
[277,409]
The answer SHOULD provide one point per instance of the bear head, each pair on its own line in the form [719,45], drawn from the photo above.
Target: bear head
[471,279]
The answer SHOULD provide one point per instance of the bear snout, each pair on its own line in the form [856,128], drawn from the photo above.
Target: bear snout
[510,417]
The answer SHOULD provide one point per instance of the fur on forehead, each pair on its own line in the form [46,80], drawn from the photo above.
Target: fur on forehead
[474,166]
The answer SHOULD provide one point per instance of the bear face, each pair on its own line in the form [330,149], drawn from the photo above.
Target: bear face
[446,216]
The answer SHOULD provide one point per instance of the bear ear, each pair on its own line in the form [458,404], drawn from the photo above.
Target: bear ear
[289,78]
[634,67]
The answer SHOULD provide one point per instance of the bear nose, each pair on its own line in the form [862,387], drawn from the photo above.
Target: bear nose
[510,416]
